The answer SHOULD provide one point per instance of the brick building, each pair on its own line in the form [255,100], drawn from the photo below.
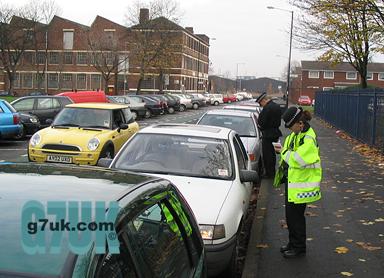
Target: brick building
[70,56]
[321,76]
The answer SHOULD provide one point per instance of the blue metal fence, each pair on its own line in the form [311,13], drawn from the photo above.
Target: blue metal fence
[360,113]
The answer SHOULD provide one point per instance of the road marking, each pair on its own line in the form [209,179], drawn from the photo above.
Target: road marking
[13,149]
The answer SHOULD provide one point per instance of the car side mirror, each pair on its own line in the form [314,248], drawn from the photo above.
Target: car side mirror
[49,121]
[249,176]
[122,126]
[104,162]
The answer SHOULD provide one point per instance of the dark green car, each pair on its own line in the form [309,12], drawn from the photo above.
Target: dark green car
[156,231]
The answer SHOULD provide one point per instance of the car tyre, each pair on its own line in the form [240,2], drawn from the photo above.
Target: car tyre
[148,114]
[21,135]
[195,106]
[216,103]
[231,270]
[171,110]
[182,108]
[134,115]
[107,152]
[229,101]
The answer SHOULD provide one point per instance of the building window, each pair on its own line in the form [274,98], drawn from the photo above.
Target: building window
[351,75]
[16,80]
[28,58]
[313,74]
[66,81]
[327,88]
[328,74]
[95,81]
[54,58]
[68,39]
[27,80]
[39,80]
[68,58]
[81,58]
[81,81]
[40,58]
[53,81]
[381,76]
[369,75]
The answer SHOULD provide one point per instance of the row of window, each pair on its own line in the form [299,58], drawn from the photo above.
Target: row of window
[350,75]
[193,64]
[196,45]
[68,58]
[30,80]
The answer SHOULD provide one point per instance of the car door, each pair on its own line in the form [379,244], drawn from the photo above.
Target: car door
[122,135]
[47,109]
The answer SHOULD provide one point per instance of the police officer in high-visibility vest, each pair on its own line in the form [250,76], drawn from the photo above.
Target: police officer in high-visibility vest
[300,171]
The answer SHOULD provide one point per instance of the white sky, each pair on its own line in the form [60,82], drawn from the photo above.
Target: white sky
[246,32]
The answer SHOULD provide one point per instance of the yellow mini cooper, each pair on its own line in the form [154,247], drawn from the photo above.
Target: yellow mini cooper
[83,133]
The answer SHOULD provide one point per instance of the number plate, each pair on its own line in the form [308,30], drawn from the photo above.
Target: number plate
[59,159]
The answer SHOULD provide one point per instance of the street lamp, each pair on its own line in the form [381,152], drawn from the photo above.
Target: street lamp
[290,51]
[237,74]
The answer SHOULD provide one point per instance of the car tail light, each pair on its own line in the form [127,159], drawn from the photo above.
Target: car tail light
[251,156]
[16,119]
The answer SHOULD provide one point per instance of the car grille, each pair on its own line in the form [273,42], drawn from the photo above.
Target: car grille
[59,147]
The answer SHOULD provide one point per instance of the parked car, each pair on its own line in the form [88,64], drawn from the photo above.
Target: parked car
[45,108]
[229,98]
[207,100]
[153,106]
[83,133]
[4,94]
[137,108]
[245,124]
[30,123]
[85,96]
[304,100]
[173,103]
[209,166]
[185,103]
[10,125]
[216,99]
[255,109]
[162,100]
[156,230]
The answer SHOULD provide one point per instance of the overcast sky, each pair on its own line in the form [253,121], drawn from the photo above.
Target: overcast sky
[249,37]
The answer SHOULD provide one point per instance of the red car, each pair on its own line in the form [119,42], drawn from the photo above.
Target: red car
[304,100]
[229,99]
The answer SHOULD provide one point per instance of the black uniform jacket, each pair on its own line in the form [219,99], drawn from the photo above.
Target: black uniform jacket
[269,120]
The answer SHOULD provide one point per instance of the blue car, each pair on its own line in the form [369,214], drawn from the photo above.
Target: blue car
[10,125]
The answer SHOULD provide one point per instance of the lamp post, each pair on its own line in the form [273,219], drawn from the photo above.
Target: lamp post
[237,74]
[290,51]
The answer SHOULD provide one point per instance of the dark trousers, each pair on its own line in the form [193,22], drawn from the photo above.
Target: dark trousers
[294,215]
[269,156]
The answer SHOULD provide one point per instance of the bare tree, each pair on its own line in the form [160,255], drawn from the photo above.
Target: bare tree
[154,42]
[344,30]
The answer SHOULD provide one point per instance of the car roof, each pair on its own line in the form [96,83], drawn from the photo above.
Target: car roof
[242,107]
[49,182]
[228,112]
[97,105]
[189,130]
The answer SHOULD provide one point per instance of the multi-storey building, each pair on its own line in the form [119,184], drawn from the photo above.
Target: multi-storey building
[71,56]
[322,76]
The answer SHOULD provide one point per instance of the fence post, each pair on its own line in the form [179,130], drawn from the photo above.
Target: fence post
[357,114]
[373,139]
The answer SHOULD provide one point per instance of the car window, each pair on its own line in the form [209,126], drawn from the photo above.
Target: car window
[157,241]
[116,265]
[127,115]
[47,103]
[240,154]
[1,110]
[25,104]
[177,154]
[118,118]
[84,117]
[244,126]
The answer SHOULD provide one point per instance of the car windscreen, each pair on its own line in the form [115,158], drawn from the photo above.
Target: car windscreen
[83,117]
[244,126]
[177,155]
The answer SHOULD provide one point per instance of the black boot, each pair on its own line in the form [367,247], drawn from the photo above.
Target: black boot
[285,248]
[294,253]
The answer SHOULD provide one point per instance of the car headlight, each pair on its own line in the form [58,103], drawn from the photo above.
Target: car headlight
[35,140]
[93,144]
[33,120]
[212,231]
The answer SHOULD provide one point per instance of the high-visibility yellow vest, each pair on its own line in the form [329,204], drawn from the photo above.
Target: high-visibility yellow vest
[301,153]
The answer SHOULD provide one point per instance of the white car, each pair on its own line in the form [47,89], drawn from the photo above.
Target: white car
[184,102]
[209,165]
[216,99]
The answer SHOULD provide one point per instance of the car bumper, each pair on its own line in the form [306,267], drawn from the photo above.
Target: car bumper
[219,256]
[10,131]
[80,158]
[31,128]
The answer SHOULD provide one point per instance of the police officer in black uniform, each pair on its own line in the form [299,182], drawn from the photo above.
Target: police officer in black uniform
[269,122]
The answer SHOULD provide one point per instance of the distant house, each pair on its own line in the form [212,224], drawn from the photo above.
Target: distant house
[323,76]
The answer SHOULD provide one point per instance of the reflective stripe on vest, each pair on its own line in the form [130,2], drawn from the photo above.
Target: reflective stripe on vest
[299,159]
[316,165]
[308,194]
[288,156]
[304,185]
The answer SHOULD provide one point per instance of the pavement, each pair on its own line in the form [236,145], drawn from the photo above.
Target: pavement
[345,229]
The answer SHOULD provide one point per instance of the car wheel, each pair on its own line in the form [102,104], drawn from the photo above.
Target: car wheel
[134,115]
[229,101]
[148,114]
[21,135]
[195,106]
[171,110]
[107,152]
[231,270]
[182,108]
[216,103]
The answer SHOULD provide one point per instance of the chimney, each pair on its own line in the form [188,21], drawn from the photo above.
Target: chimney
[189,29]
[144,16]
